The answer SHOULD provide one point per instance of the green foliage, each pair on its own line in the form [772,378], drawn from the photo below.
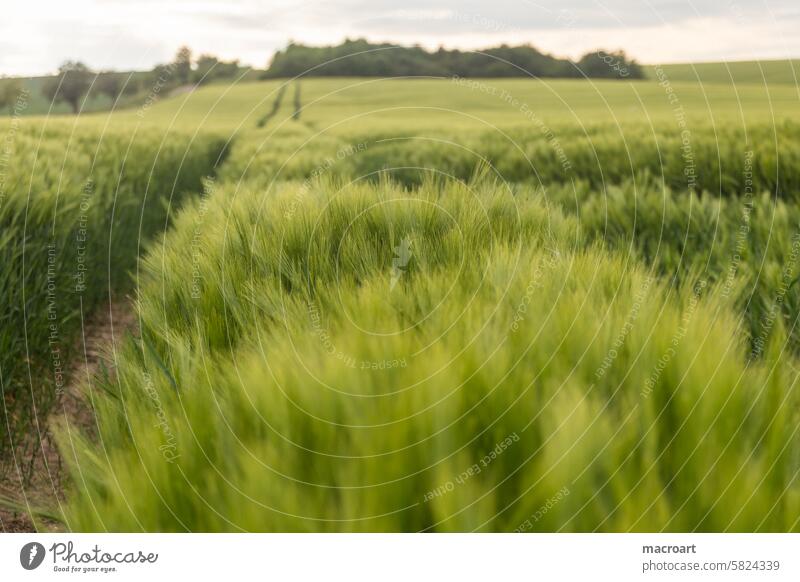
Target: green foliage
[10,92]
[76,209]
[609,65]
[722,161]
[77,88]
[112,85]
[360,58]
[296,388]
[419,307]
[70,85]
[209,68]
[182,65]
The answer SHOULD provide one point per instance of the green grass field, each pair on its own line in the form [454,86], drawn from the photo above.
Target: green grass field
[769,72]
[343,106]
[440,305]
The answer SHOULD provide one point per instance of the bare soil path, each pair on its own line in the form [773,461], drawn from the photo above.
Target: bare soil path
[37,477]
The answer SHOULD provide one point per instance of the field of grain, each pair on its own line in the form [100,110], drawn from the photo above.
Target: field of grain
[417,304]
[765,72]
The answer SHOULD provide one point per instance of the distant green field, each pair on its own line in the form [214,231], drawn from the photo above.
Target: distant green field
[402,106]
[553,96]
[754,88]
[758,72]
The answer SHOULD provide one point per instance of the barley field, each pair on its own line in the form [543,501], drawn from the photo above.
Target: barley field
[414,305]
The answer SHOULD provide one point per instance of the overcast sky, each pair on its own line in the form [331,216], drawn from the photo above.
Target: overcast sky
[36,36]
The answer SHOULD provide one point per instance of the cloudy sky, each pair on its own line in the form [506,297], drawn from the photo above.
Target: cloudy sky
[36,36]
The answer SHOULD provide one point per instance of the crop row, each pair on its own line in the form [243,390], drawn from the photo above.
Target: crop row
[77,207]
[723,161]
[368,358]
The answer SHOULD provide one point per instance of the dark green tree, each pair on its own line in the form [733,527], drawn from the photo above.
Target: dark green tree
[70,85]
[210,68]
[10,90]
[360,58]
[111,84]
[183,65]
[609,65]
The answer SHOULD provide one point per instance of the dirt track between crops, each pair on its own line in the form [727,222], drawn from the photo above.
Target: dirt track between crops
[36,478]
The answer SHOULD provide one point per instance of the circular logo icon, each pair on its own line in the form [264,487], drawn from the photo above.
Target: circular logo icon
[31,555]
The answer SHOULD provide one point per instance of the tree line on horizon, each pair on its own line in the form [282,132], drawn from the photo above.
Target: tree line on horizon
[360,58]
[75,82]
